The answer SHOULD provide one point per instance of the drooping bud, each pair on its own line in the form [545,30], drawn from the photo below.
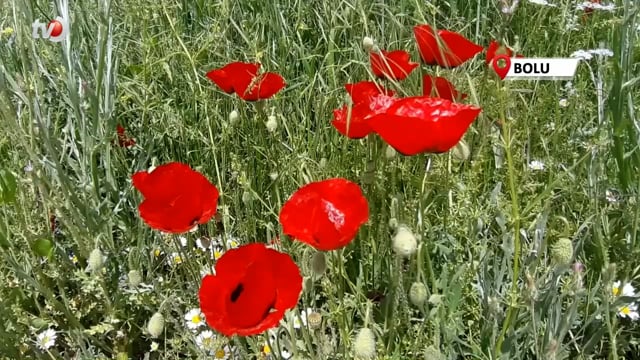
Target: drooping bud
[272,123]
[233,116]
[96,260]
[562,252]
[418,294]
[367,43]
[404,243]
[364,345]
[134,277]
[156,325]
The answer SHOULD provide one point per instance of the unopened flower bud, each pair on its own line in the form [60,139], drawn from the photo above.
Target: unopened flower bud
[134,277]
[247,197]
[156,325]
[96,260]
[272,123]
[404,243]
[562,252]
[393,223]
[367,43]
[390,152]
[461,151]
[364,345]
[319,263]
[233,116]
[418,294]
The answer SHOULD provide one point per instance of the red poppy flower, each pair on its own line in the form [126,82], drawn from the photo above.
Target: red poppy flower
[368,99]
[446,49]
[436,86]
[123,139]
[176,198]
[364,90]
[496,49]
[420,124]
[243,79]
[252,288]
[394,65]
[325,214]
[588,10]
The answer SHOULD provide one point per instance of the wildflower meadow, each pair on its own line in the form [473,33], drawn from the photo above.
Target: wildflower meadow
[315,180]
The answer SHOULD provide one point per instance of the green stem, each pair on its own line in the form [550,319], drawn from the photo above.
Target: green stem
[517,247]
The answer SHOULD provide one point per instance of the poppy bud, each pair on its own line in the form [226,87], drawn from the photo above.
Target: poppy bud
[233,116]
[134,277]
[96,260]
[314,320]
[418,294]
[562,252]
[272,123]
[156,325]
[390,152]
[367,43]
[461,151]
[246,197]
[364,345]
[432,353]
[319,263]
[404,243]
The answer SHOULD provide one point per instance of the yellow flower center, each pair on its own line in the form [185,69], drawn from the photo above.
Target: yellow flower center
[220,354]
[156,253]
[217,254]
[234,243]
[615,291]
[625,310]
[196,319]
[207,342]
[177,260]
[266,349]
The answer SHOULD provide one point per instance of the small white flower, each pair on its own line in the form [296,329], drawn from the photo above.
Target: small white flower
[194,318]
[183,241]
[611,196]
[626,290]
[272,123]
[581,54]
[536,165]
[301,321]
[563,103]
[46,339]
[629,311]
[232,242]
[206,340]
[542,2]
[596,6]
[154,346]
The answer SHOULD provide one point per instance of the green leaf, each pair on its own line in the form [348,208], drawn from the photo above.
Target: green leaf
[8,186]
[43,247]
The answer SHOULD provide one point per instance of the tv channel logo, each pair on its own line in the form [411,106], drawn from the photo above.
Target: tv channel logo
[56,30]
[509,68]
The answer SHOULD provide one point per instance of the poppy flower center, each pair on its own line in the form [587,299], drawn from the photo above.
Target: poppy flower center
[251,300]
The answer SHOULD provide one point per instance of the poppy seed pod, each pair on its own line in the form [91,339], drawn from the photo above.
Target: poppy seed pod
[404,243]
[134,277]
[319,263]
[314,320]
[364,345]
[96,260]
[272,123]
[367,43]
[233,116]
[562,252]
[156,325]
[418,294]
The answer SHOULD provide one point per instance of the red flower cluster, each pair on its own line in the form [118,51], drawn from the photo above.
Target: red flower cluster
[123,139]
[243,79]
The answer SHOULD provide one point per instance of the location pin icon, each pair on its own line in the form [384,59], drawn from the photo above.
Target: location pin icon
[504,70]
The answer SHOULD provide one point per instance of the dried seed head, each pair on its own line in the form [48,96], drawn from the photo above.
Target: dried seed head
[156,325]
[364,345]
[314,320]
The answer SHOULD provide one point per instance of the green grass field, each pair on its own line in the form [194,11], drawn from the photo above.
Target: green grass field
[523,246]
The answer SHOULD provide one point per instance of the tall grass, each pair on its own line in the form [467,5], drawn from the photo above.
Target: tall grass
[486,225]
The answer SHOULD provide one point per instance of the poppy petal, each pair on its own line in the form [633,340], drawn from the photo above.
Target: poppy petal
[229,76]
[447,49]
[437,86]
[325,214]
[423,124]
[261,87]
[394,65]
[363,90]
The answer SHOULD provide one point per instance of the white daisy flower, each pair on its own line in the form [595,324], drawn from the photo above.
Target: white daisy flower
[207,271]
[216,252]
[629,311]
[596,6]
[601,52]
[46,339]
[232,242]
[581,54]
[542,2]
[207,341]
[563,103]
[626,290]
[536,165]
[194,318]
